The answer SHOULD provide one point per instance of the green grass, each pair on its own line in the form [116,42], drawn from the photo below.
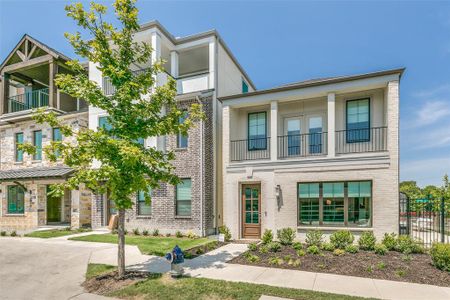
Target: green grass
[158,287]
[95,270]
[148,245]
[46,234]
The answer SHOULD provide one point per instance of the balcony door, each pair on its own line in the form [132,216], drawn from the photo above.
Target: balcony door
[315,138]
[292,131]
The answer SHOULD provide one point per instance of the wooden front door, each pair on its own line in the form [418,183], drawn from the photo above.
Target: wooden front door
[53,208]
[251,211]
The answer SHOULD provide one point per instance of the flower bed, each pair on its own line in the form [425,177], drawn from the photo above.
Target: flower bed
[406,263]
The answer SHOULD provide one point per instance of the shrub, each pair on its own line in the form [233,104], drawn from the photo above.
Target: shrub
[199,251]
[297,246]
[136,231]
[155,232]
[211,246]
[275,261]
[380,249]
[145,232]
[400,273]
[252,258]
[252,247]
[226,232]
[328,247]
[301,252]
[286,236]
[406,244]
[390,241]
[191,235]
[313,249]
[168,234]
[13,233]
[367,241]
[267,237]
[338,252]
[314,237]
[352,249]
[294,263]
[263,249]
[178,234]
[381,265]
[287,258]
[440,254]
[274,247]
[340,239]
[3,233]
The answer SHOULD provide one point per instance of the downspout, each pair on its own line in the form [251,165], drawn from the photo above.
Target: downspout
[202,194]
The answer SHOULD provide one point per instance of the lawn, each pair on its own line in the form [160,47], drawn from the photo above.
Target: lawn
[158,286]
[147,244]
[46,234]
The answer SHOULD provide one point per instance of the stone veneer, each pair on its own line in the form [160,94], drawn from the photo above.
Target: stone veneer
[76,205]
[188,165]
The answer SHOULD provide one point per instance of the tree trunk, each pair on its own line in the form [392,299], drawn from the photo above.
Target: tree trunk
[121,243]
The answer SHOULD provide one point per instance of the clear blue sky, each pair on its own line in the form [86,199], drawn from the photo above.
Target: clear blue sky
[285,41]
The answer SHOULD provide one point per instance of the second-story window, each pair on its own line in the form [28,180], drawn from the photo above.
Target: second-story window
[37,142]
[18,141]
[257,131]
[56,137]
[358,120]
[103,122]
[182,140]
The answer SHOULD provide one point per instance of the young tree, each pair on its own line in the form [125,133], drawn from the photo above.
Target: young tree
[126,166]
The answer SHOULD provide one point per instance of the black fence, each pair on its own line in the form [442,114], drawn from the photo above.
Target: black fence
[250,149]
[361,140]
[308,144]
[426,220]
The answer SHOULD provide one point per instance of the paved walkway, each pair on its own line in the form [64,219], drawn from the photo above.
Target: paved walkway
[213,265]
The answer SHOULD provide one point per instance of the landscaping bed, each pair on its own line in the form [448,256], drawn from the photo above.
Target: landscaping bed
[102,279]
[157,245]
[52,233]
[395,258]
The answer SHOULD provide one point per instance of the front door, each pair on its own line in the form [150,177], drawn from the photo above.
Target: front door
[53,208]
[251,211]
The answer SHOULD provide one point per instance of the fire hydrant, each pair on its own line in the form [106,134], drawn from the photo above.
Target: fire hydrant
[176,258]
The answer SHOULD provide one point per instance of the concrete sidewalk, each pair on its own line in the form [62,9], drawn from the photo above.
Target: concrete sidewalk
[213,265]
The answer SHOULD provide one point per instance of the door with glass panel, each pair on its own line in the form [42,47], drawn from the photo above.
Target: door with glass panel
[251,211]
[293,142]
[315,138]
[53,208]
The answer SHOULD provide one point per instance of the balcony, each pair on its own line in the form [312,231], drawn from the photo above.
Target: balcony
[302,145]
[361,140]
[30,100]
[250,149]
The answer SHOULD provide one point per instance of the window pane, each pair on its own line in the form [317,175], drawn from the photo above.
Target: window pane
[182,140]
[365,189]
[358,121]
[19,153]
[359,211]
[333,211]
[333,189]
[248,193]
[57,136]
[183,208]
[16,196]
[248,205]
[257,131]
[104,123]
[183,198]
[308,190]
[309,211]
[37,142]
[248,217]
[244,87]
[255,219]
[353,189]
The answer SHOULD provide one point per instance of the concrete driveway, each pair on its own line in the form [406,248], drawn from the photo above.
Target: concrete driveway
[40,269]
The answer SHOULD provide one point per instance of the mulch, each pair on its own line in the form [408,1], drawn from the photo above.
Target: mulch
[395,266]
[110,282]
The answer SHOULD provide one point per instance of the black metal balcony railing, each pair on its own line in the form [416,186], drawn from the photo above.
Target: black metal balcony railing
[250,149]
[301,145]
[361,140]
[29,100]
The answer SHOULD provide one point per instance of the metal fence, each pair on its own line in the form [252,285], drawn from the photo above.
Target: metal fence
[250,149]
[361,140]
[300,145]
[426,220]
[29,100]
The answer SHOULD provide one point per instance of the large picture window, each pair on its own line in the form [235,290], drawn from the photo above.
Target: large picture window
[358,120]
[183,198]
[257,131]
[335,204]
[16,196]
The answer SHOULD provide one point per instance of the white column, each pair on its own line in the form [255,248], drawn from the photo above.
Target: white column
[156,46]
[174,63]
[273,130]
[331,125]
[212,64]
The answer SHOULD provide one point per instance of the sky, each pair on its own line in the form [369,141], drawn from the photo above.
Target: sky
[279,42]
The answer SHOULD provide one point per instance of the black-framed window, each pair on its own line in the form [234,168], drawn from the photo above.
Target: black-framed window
[358,120]
[257,131]
[182,139]
[16,199]
[335,204]
[183,198]
[143,208]
[37,143]
[17,142]
[244,87]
